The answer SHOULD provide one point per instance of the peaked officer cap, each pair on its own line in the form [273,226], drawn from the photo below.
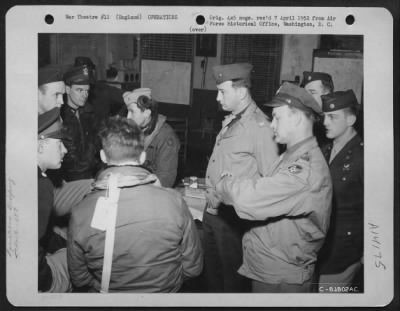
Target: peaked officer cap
[295,96]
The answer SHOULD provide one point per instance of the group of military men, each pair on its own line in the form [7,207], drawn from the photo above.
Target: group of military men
[291,222]
[273,223]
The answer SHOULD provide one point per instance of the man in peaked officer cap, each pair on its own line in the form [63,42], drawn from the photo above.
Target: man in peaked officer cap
[78,116]
[52,264]
[51,88]
[345,155]
[107,100]
[50,127]
[244,145]
[294,197]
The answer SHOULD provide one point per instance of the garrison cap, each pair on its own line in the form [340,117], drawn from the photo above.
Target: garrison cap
[50,125]
[339,100]
[309,76]
[78,75]
[231,72]
[295,96]
[49,74]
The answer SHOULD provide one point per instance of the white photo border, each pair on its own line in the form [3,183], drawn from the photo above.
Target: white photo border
[24,23]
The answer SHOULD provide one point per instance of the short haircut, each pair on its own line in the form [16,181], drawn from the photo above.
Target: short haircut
[143,103]
[121,139]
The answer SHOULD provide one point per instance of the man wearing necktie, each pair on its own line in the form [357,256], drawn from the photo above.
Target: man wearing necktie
[341,256]
[244,146]
[78,117]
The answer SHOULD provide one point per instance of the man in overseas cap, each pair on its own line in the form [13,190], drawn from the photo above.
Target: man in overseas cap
[294,198]
[345,155]
[245,146]
[51,88]
[232,72]
[78,116]
[53,271]
[318,84]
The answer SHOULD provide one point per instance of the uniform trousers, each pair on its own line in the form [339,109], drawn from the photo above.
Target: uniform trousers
[223,254]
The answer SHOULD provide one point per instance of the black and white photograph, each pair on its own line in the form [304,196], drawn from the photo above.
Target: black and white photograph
[214,155]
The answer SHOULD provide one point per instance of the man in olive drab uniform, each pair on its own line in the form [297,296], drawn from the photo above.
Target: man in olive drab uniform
[341,256]
[294,200]
[244,145]
[318,84]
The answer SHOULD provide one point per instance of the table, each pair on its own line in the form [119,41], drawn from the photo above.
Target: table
[196,203]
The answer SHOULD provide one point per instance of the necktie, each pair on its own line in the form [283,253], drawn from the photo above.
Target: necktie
[333,153]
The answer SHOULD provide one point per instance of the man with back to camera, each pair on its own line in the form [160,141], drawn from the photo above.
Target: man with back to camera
[156,244]
[341,256]
[82,160]
[318,84]
[293,200]
[244,145]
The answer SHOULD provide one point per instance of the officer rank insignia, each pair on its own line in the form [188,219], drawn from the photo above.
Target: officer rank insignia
[295,169]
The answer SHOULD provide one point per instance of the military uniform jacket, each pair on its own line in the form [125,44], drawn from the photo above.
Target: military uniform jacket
[82,143]
[294,201]
[244,146]
[156,244]
[162,149]
[344,244]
